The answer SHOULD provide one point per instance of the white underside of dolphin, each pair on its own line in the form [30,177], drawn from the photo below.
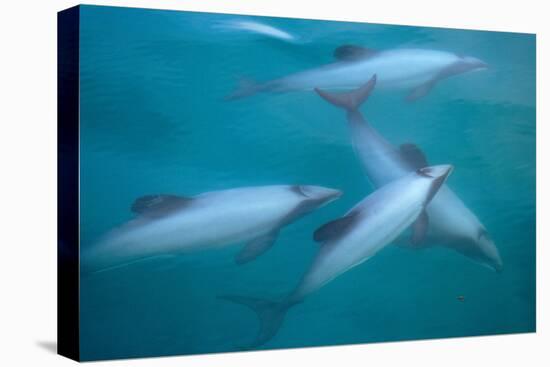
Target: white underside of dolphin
[417,70]
[448,222]
[352,239]
[169,224]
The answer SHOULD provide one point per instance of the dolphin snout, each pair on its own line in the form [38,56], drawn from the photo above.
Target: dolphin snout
[494,262]
[483,65]
[475,63]
[480,65]
[437,175]
[330,194]
[490,253]
[334,194]
[320,192]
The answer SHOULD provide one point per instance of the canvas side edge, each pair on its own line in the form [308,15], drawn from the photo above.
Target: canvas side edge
[68,310]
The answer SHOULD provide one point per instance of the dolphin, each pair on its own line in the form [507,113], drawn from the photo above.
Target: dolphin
[352,239]
[447,221]
[170,224]
[258,28]
[417,70]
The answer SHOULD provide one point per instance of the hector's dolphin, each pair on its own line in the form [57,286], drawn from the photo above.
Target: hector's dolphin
[352,239]
[168,224]
[447,220]
[417,70]
[258,28]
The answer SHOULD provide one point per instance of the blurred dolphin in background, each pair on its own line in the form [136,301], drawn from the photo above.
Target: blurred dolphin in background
[417,70]
[255,27]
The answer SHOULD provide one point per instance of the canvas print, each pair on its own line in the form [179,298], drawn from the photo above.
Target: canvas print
[248,183]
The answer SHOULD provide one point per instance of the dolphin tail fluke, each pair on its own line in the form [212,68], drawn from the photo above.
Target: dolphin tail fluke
[350,101]
[271,315]
[245,88]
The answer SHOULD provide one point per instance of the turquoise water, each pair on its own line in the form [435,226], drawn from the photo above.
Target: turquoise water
[153,120]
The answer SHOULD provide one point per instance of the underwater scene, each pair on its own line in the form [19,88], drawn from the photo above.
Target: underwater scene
[253,183]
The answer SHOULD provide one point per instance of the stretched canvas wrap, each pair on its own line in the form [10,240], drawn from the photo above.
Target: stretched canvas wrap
[234,183]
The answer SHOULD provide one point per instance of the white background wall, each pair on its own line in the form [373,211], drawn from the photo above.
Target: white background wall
[28,182]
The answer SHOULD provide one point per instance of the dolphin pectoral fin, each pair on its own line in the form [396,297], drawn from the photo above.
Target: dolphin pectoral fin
[421,90]
[156,206]
[335,228]
[420,228]
[256,247]
[413,155]
[353,53]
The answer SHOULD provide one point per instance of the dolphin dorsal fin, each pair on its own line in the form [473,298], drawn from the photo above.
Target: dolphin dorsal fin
[353,53]
[413,155]
[159,205]
[335,228]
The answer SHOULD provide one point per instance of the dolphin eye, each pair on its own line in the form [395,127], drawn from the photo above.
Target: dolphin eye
[307,191]
[299,190]
[425,172]
[310,192]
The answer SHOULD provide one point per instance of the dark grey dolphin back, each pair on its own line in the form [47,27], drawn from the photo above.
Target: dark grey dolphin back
[353,53]
[157,206]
